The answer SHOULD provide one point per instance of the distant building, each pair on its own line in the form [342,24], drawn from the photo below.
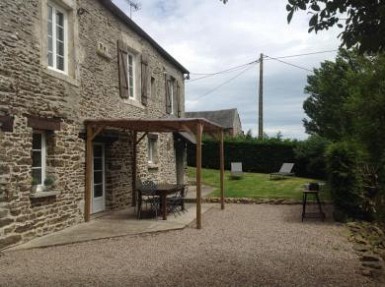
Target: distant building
[229,119]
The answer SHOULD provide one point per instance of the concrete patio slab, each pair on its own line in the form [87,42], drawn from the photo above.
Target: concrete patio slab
[114,224]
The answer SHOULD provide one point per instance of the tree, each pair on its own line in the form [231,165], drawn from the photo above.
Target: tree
[363,20]
[328,90]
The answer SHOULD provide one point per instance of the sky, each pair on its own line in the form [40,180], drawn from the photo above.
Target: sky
[207,37]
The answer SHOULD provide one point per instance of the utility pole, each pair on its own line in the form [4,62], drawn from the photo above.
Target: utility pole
[260,99]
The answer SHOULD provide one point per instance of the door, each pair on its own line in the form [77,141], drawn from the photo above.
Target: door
[98,186]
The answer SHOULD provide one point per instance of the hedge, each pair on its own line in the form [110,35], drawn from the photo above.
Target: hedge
[256,156]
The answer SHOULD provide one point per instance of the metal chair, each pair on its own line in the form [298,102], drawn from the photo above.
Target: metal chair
[147,194]
[175,203]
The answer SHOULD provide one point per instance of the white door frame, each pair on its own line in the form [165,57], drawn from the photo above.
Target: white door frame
[98,204]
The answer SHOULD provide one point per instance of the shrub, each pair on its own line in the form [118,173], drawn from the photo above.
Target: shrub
[346,182]
[310,157]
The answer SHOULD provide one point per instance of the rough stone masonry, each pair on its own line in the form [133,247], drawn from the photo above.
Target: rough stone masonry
[36,98]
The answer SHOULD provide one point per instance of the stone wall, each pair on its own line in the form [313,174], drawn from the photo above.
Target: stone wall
[89,90]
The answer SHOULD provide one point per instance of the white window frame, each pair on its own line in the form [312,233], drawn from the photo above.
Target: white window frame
[152,142]
[43,151]
[56,8]
[132,96]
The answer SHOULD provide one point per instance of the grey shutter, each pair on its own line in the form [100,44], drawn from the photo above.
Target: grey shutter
[144,71]
[178,100]
[122,62]
[168,100]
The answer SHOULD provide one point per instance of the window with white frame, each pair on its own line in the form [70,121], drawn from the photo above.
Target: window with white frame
[131,75]
[152,148]
[57,38]
[38,157]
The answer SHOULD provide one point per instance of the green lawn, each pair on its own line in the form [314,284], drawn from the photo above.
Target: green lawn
[256,185]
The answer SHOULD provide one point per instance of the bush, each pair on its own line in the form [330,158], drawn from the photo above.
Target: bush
[346,183]
[310,157]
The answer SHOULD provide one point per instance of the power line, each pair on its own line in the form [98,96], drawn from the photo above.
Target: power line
[290,64]
[207,75]
[305,54]
[221,72]
[226,82]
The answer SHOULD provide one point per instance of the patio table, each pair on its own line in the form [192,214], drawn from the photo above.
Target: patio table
[164,189]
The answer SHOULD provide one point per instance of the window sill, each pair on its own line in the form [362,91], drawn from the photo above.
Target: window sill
[134,103]
[153,165]
[42,194]
[60,76]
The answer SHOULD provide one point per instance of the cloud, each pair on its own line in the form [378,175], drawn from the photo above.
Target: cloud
[206,36]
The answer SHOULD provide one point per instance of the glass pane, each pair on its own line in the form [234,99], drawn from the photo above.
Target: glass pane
[36,141]
[98,151]
[98,164]
[131,92]
[36,158]
[98,190]
[36,174]
[131,82]
[60,63]
[130,60]
[60,33]
[98,177]
[59,18]
[59,48]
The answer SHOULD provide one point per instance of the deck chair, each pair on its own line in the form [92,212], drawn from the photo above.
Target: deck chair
[236,170]
[284,171]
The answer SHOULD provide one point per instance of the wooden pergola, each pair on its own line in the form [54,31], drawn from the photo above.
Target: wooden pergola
[196,126]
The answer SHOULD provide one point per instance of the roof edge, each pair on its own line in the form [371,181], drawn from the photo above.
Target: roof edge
[135,27]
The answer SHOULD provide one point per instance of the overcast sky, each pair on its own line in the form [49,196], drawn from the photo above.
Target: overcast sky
[206,36]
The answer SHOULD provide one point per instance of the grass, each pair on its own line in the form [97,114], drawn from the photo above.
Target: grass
[256,185]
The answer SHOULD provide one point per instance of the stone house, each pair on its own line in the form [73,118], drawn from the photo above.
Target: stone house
[62,62]
[229,119]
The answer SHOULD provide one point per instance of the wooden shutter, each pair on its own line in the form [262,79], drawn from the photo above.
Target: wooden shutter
[122,62]
[168,99]
[144,68]
[179,100]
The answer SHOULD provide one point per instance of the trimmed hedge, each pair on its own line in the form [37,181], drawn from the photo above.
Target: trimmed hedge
[264,156]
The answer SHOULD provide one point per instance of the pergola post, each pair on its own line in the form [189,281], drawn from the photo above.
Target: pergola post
[222,170]
[134,162]
[89,153]
[199,130]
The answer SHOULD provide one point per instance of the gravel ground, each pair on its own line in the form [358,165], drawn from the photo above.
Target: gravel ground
[245,245]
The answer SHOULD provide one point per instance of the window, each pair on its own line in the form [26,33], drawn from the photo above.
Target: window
[57,38]
[152,148]
[38,157]
[153,88]
[131,75]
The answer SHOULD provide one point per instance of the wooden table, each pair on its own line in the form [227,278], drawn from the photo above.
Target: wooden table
[165,189]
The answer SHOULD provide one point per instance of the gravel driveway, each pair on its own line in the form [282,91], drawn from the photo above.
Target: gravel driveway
[245,245]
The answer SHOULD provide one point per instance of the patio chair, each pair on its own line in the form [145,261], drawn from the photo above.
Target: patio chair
[175,203]
[147,194]
[285,170]
[236,170]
